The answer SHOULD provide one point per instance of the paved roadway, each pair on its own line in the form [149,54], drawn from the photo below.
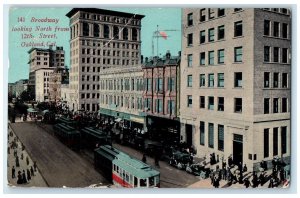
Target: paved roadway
[59,165]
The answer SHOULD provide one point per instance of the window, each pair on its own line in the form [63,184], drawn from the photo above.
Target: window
[125,34]
[190,19]
[190,39]
[116,32]
[210,80]
[202,102]
[276,55]
[238,28]
[202,58]
[159,84]
[220,103]
[266,105]
[190,60]
[220,79]
[275,105]
[221,56]
[159,105]
[275,80]
[149,84]
[284,105]
[211,135]
[238,105]
[171,107]
[267,28]
[106,31]
[266,143]
[275,141]
[220,137]
[211,103]
[221,32]
[211,13]
[202,36]
[276,29]
[202,80]
[238,79]
[284,30]
[148,103]
[202,15]
[202,133]
[284,54]
[189,101]
[283,140]
[238,54]
[266,79]
[86,29]
[284,80]
[189,80]
[238,9]
[171,84]
[267,53]
[211,57]
[221,12]
[96,30]
[211,34]
[284,10]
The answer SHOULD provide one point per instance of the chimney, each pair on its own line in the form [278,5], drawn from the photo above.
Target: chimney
[146,60]
[142,59]
[179,53]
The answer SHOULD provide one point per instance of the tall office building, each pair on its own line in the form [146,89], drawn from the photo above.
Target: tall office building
[42,62]
[100,39]
[235,83]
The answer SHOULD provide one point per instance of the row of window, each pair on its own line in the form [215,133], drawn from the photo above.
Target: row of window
[276,29]
[159,84]
[122,84]
[159,106]
[86,106]
[238,79]
[121,101]
[88,86]
[90,51]
[90,95]
[276,135]
[238,103]
[108,61]
[278,10]
[238,57]
[278,105]
[280,80]
[238,32]
[104,44]
[276,54]
[210,133]
[114,19]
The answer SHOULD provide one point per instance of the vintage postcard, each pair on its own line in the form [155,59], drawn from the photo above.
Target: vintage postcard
[149,97]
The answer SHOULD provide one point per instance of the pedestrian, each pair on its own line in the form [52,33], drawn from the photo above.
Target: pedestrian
[27,160]
[246,182]
[144,159]
[35,166]
[216,182]
[17,162]
[281,175]
[271,184]
[13,172]
[28,174]
[20,179]
[261,179]
[31,171]
[24,177]
[254,180]
[245,168]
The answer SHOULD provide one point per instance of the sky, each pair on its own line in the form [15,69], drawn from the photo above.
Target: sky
[165,18]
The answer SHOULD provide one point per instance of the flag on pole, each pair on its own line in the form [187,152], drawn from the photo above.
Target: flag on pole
[163,34]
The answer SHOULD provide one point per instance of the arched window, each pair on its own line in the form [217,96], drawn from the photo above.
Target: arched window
[134,34]
[125,34]
[106,31]
[86,29]
[116,32]
[96,30]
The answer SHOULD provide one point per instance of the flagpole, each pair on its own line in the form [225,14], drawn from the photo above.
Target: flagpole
[157,34]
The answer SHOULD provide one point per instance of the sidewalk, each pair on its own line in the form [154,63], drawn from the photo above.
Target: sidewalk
[36,179]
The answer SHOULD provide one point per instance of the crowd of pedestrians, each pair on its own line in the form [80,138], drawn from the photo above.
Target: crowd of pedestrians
[22,171]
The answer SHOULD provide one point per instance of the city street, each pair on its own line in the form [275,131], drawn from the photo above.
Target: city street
[59,165]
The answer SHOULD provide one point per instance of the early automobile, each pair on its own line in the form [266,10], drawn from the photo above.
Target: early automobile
[181,160]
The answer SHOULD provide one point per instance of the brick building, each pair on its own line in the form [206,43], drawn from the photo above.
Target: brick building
[235,83]
[161,97]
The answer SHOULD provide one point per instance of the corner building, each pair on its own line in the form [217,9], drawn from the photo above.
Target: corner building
[100,39]
[235,83]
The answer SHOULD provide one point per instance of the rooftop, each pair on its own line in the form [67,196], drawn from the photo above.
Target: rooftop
[105,12]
